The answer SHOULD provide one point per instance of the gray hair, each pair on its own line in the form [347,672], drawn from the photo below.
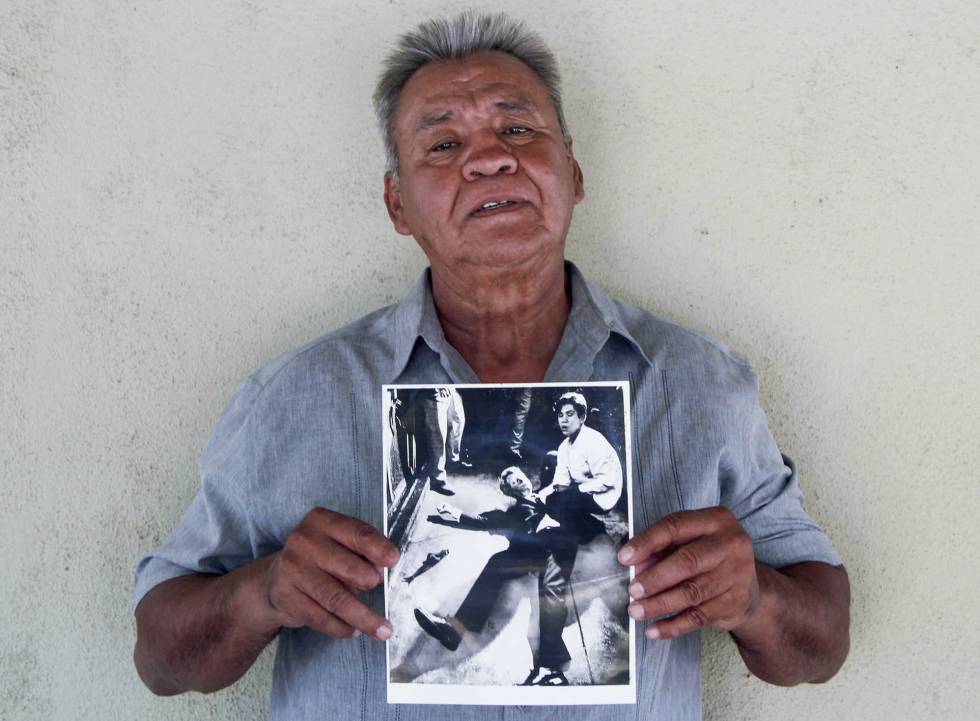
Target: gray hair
[455,39]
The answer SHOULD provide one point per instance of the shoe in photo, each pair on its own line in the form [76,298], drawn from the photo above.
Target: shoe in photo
[439,628]
[441,487]
[544,676]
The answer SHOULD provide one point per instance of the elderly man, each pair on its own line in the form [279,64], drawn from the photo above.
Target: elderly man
[281,539]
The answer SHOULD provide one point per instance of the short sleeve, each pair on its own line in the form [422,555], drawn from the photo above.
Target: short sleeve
[217,533]
[759,485]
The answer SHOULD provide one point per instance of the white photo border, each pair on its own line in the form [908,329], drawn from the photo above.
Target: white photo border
[471,694]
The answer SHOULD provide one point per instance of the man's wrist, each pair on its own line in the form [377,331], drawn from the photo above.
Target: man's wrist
[799,632]
[251,598]
[759,624]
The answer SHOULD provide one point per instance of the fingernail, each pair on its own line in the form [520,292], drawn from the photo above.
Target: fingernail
[653,632]
[625,554]
[356,633]
[635,611]
[383,632]
[636,590]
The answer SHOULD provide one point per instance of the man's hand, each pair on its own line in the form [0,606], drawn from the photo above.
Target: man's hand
[202,632]
[695,567]
[313,579]
[448,513]
[551,489]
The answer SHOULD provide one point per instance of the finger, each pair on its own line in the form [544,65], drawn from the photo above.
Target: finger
[685,562]
[346,566]
[675,529]
[312,551]
[650,561]
[335,598]
[687,594]
[312,614]
[360,537]
[692,619]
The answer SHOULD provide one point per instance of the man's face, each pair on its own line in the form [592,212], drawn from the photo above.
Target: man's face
[477,132]
[519,487]
[568,420]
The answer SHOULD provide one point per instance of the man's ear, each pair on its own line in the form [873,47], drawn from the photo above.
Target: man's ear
[577,175]
[393,202]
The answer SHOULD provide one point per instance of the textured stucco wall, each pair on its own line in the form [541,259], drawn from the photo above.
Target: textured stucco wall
[188,189]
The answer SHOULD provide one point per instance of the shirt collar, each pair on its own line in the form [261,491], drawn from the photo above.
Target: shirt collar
[594,315]
[414,317]
[599,309]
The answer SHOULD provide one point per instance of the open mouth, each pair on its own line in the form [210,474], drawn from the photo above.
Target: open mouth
[494,207]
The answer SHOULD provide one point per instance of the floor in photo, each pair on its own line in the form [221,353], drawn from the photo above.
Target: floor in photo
[501,653]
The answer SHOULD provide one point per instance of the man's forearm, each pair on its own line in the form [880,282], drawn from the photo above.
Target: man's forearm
[202,633]
[799,630]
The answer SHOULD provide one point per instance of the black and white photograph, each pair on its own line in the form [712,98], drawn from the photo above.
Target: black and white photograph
[508,504]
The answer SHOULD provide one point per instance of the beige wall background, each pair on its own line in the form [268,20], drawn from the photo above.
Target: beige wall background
[188,189]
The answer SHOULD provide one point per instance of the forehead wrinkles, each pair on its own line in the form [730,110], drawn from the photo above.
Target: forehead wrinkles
[487,98]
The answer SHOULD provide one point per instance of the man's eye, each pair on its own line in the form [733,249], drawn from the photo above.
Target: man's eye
[442,147]
[518,130]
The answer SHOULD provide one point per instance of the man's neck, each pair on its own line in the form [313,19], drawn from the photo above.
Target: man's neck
[506,324]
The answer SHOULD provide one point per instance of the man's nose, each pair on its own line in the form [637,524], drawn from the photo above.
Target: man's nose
[489,156]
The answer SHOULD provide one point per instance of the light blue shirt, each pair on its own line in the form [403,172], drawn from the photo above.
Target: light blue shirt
[305,431]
